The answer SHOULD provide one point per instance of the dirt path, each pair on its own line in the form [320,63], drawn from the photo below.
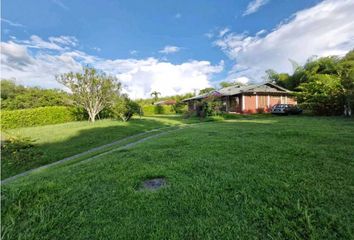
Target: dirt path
[126,146]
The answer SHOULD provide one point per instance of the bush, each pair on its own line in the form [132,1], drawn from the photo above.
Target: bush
[14,97]
[81,114]
[180,108]
[209,107]
[37,116]
[16,150]
[150,110]
[260,110]
[125,108]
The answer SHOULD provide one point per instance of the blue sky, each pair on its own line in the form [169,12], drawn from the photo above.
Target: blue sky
[169,46]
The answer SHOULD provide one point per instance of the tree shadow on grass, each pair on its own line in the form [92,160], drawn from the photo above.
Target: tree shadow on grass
[83,141]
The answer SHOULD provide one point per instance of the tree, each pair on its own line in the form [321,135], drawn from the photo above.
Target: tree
[15,96]
[225,84]
[281,79]
[322,94]
[93,90]
[324,85]
[155,95]
[9,89]
[206,90]
[229,84]
[124,108]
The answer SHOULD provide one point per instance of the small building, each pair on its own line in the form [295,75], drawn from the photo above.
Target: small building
[247,99]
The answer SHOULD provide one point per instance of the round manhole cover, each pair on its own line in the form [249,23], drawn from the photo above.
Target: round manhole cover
[154,183]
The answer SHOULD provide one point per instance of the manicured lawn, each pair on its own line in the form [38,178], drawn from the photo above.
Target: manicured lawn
[55,142]
[252,178]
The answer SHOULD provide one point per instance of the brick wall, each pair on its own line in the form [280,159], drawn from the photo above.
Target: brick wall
[250,102]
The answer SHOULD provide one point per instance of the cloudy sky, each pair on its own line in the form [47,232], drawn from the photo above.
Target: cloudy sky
[173,47]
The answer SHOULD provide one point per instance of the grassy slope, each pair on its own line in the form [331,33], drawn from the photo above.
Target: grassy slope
[58,141]
[275,178]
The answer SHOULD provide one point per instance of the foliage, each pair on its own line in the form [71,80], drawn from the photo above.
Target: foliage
[155,95]
[210,106]
[159,109]
[15,96]
[324,85]
[225,84]
[124,108]
[260,110]
[180,107]
[92,90]
[150,101]
[321,94]
[149,110]
[206,90]
[18,150]
[37,116]
[346,73]
[9,89]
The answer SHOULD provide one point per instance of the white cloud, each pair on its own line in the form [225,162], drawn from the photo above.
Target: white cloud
[169,49]
[243,80]
[64,40]
[209,35]
[60,43]
[178,15]
[11,23]
[139,76]
[261,32]
[60,4]
[133,52]
[322,30]
[15,54]
[223,31]
[97,49]
[254,6]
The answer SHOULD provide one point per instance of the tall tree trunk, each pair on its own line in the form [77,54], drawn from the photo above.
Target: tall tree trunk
[92,116]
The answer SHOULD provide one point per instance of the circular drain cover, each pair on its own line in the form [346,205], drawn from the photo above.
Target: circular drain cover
[154,183]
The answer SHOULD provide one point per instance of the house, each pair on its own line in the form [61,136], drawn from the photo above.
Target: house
[246,99]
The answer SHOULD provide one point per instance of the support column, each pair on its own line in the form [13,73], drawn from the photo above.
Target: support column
[227,103]
[268,101]
[243,102]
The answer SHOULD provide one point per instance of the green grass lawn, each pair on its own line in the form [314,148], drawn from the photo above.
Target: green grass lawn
[251,178]
[55,142]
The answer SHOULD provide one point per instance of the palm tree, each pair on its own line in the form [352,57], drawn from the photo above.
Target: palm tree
[155,95]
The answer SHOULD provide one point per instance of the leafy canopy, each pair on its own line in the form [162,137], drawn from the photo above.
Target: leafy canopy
[93,90]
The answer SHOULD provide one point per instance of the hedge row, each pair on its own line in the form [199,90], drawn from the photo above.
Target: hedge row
[37,116]
[149,110]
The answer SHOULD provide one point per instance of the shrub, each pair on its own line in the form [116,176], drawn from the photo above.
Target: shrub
[150,110]
[125,108]
[260,110]
[37,116]
[14,97]
[179,108]
[211,106]
[16,150]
